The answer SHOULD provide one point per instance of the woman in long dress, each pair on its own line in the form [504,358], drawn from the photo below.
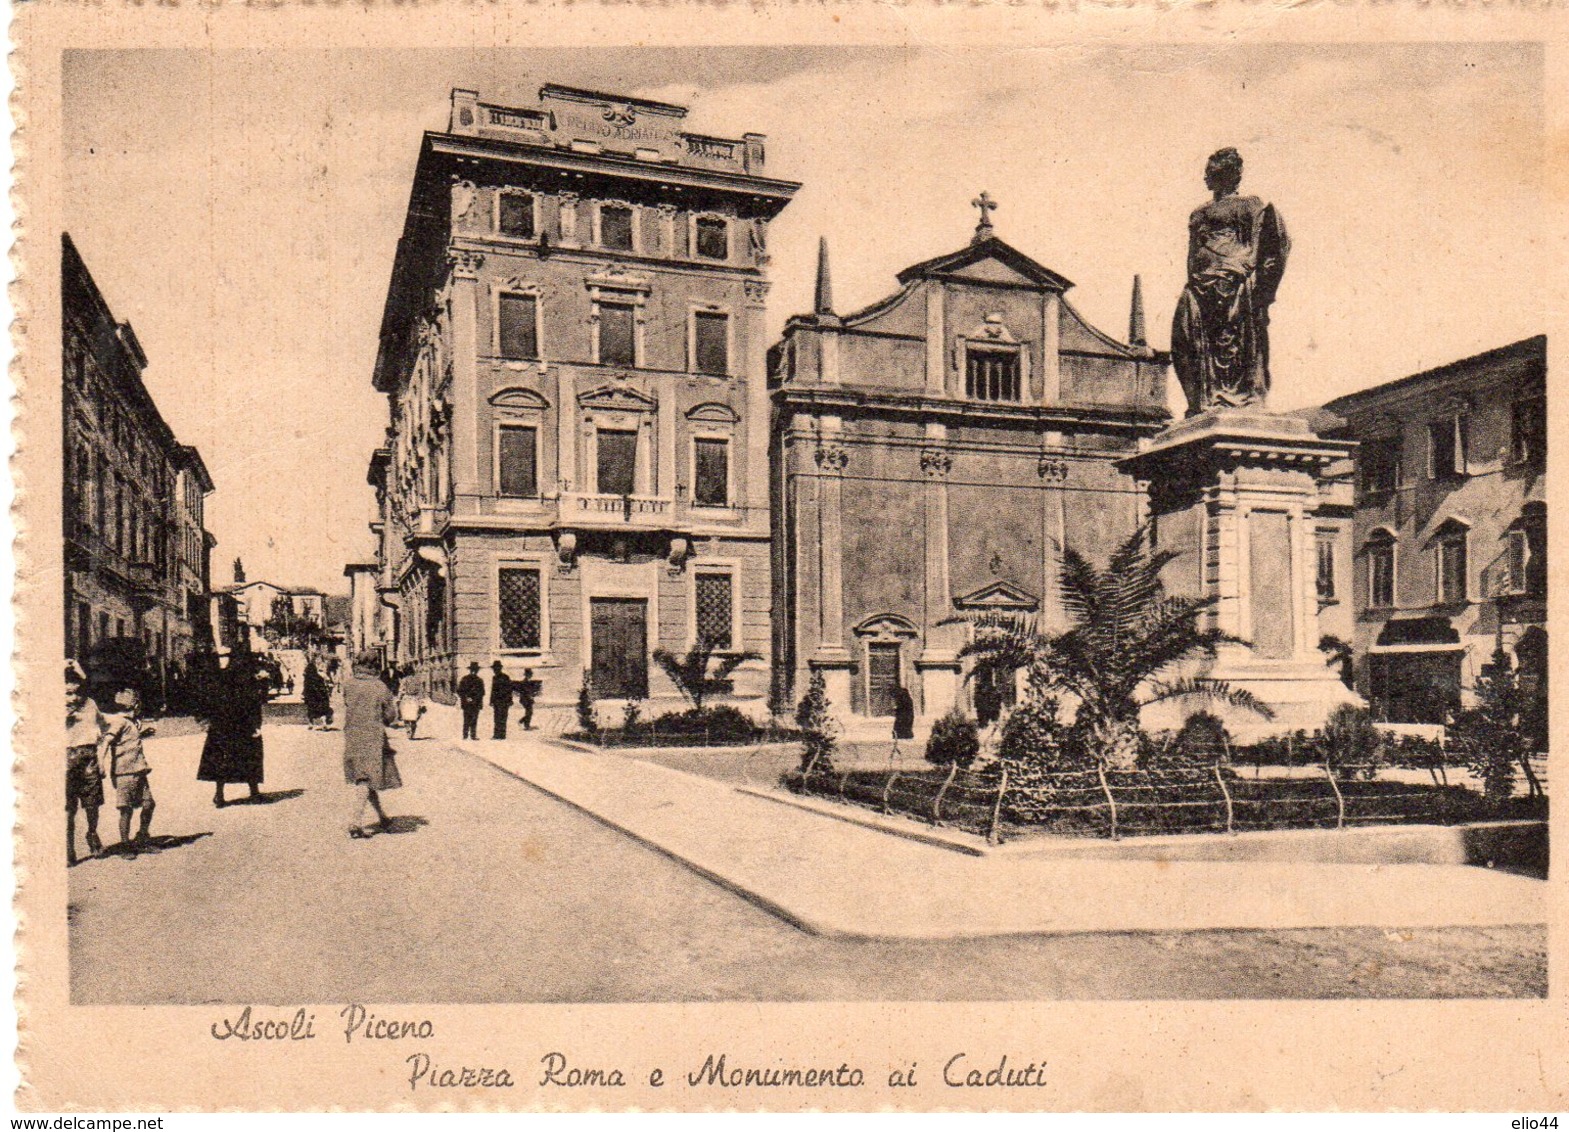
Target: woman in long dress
[368,710]
[233,750]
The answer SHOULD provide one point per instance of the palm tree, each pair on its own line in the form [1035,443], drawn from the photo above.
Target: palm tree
[691,672]
[1126,631]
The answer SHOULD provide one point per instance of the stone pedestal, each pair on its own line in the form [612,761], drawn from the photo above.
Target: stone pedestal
[1236,493]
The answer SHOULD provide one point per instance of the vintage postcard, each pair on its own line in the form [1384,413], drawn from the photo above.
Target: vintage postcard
[846,557]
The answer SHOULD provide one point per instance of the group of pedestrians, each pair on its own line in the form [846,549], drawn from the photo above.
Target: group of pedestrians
[503,691]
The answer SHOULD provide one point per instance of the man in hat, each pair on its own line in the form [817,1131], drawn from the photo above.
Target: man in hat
[471,697]
[500,699]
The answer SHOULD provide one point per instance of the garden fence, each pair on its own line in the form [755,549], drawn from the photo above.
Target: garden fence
[1200,795]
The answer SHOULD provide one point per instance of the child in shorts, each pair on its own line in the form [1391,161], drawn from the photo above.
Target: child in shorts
[125,764]
[84,783]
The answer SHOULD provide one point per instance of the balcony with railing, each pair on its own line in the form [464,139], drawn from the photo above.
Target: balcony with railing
[600,512]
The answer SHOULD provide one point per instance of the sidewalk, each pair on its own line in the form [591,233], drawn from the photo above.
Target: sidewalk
[839,879]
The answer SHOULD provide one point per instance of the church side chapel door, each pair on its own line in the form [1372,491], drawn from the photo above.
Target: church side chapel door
[619,647]
[882,677]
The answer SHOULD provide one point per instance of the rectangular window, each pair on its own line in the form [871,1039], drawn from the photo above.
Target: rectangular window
[1452,569]
[517,215]
[1326,567]
[615,227]
[617,462]
[517,461]
[1528,431]
[103,627]
[715,610]
[519,337]
[992,375]
[519,607]
[711,343]
[1446,447]
[1380,463]
[1381,575]
[712,473]
[713,240]
[616,345]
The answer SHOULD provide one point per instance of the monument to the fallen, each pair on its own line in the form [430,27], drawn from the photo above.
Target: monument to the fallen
[1234,488]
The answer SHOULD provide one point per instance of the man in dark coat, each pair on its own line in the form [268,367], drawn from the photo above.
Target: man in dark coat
[527,689]
[500,700]
[471,697]
[903,714]
[233,750]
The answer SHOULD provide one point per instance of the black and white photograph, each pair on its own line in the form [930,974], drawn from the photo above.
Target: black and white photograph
[989,523]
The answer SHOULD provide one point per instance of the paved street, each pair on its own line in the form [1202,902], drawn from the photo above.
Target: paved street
[489,891]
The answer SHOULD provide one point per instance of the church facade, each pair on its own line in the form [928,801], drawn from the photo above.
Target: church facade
[929,455]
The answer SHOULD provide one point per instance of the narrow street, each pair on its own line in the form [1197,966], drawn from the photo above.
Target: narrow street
[487,890]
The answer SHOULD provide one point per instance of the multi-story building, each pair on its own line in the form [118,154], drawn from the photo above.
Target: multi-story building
[136,573]
[263,608]
[573,353]
[1450,533]
[931,455]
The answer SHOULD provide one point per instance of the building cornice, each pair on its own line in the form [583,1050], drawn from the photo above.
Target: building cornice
[1148,420]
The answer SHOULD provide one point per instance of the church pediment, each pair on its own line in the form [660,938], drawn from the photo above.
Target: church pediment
[999,596]
[992,271]
[989,261]
[618,397]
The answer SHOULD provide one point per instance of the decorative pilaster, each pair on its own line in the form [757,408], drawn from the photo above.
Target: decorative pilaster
[1051,349]
[936,346]
[755,359]
[464,266]
[938,662]
[569,236]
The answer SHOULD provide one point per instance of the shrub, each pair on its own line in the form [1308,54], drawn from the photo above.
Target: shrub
[722,724]
[631,715]
[955,739]
[1202,740]
[1034,738]
[1493,737]
[587,722]
[1351,745]
[817,727]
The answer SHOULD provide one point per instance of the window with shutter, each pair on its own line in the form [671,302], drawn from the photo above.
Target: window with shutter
[1517,554]
[715,610]
[519,608]
[517,461]
[1451,552]
[519,327]
[712,474]
[617,463]
[616,344]
[710,341]
[1326,567]
[1381,574]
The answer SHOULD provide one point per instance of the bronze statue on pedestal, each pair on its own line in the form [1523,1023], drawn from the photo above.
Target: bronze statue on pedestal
[1237,248]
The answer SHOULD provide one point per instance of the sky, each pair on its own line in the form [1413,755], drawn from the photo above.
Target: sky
[241,210]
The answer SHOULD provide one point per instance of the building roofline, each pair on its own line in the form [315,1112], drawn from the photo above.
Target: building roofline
[1525,348]
[584,94]
[124,336]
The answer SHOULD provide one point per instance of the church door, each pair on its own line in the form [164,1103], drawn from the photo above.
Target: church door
[619,647]
[882,673]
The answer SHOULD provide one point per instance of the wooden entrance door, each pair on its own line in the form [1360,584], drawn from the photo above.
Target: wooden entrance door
[882,677]
[619,649]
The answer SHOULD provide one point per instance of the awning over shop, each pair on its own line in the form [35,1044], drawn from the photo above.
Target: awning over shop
[1418,634]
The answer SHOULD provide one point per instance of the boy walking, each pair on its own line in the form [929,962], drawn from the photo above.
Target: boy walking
[84,782]
[125,764]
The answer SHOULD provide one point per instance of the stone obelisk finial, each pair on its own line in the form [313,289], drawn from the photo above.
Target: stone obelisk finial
[824,303]
[1137,335]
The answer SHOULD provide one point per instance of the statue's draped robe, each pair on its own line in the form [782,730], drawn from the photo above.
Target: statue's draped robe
[1237,249]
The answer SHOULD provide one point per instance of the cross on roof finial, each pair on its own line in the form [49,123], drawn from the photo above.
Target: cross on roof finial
[984,202]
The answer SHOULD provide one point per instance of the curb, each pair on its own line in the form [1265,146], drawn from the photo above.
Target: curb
[897,826]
